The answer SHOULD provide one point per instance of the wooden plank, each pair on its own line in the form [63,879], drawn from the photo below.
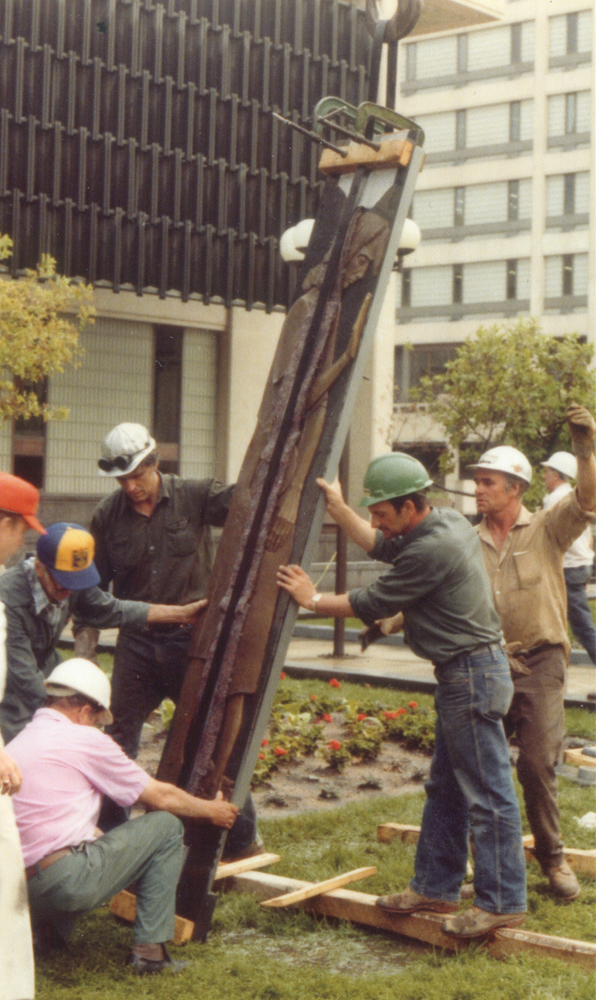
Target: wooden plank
[393,153]
[124,906]
[579,759]
[320,887]
[360,908]
[580,860]
[229,868]
[387,832]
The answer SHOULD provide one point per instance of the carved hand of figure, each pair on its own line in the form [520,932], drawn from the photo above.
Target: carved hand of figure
[280,531]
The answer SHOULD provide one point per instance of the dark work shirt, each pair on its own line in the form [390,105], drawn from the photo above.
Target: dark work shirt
[437,578]
[165,558]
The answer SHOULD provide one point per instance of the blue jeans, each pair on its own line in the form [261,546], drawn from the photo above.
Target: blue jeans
[471,787]
[578,609]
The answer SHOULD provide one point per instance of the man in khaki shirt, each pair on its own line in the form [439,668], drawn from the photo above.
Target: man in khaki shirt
[523,554]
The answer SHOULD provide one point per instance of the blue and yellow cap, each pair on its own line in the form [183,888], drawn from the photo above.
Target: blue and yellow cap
[67,550]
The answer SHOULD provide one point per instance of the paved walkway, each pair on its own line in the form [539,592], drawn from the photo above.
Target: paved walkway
[397,666]
[389,662]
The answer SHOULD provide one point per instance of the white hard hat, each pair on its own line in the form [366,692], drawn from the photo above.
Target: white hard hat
[504,458]
[563,462]
[124,448]
[79,676]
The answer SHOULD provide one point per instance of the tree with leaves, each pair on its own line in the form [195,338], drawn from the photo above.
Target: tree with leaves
[41,315]
[511,384]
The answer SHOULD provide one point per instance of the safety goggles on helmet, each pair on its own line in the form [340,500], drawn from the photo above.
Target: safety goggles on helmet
[121,462]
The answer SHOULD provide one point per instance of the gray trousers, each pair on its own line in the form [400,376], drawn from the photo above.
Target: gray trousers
[537,717]
[147,850]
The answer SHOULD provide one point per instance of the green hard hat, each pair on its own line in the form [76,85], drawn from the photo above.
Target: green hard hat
[391,476]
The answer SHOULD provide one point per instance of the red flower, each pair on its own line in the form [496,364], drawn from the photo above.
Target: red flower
[282,676]
[412,704]
[334,683]
[264,743]
[327,718]
[313,697]
[359,718]
[401,711]
[334,745]
[262,756]
[390,715]
[280,752]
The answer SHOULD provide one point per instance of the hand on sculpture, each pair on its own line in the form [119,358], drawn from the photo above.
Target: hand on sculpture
[10,776]
[222,813]
[297,583]
[190,612]
[582,427]
[333,497]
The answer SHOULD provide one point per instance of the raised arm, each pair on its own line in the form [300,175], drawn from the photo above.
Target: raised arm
[356,528]
[582,427]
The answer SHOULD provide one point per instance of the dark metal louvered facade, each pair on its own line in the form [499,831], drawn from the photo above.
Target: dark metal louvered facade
[137,144]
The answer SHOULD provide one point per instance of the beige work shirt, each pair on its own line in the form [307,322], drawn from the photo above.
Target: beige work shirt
[527,574]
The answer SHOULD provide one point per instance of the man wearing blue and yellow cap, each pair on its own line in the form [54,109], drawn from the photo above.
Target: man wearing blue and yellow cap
[40,595]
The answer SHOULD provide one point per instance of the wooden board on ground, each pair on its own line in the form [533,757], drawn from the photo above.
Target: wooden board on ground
[360,908]
[580,861]
[578,758]
[320,887]
[229,868]
[124,906]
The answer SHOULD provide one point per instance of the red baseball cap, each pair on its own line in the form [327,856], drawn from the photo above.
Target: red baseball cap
[19,497]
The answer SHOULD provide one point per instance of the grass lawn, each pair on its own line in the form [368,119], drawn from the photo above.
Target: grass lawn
[271,955]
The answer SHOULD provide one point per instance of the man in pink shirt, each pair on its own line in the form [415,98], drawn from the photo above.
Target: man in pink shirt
[68,765]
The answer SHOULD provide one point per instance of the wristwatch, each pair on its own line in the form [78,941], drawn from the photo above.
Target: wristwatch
[312,604]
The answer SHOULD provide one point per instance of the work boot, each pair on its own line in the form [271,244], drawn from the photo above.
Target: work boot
[149,966]
[563,882]
[409,901]
[476,922]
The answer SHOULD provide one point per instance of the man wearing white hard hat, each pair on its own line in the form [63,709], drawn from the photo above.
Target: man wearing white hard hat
[153,543]
[559,469]
[68,765]
[523,554]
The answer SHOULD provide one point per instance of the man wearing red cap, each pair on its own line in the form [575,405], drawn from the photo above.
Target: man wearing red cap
[18,507]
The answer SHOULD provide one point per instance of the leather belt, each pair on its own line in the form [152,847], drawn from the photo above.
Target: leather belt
[44,863]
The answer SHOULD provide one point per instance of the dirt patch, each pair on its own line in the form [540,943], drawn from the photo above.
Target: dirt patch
[309,784]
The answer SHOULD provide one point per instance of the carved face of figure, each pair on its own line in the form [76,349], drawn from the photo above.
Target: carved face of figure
[368,240]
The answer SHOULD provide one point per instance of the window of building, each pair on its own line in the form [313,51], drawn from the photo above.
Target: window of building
[460,129]
[458,284]
[167,394]
[406,286]
[515,121]
[459,202]
[566,282]
[498,51]
[412,363]
[511,281]
[513,200]
[29,440]
[567,199]
[570,38]
[569,118]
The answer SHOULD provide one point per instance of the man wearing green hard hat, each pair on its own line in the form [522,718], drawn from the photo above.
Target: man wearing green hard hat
[437,580]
